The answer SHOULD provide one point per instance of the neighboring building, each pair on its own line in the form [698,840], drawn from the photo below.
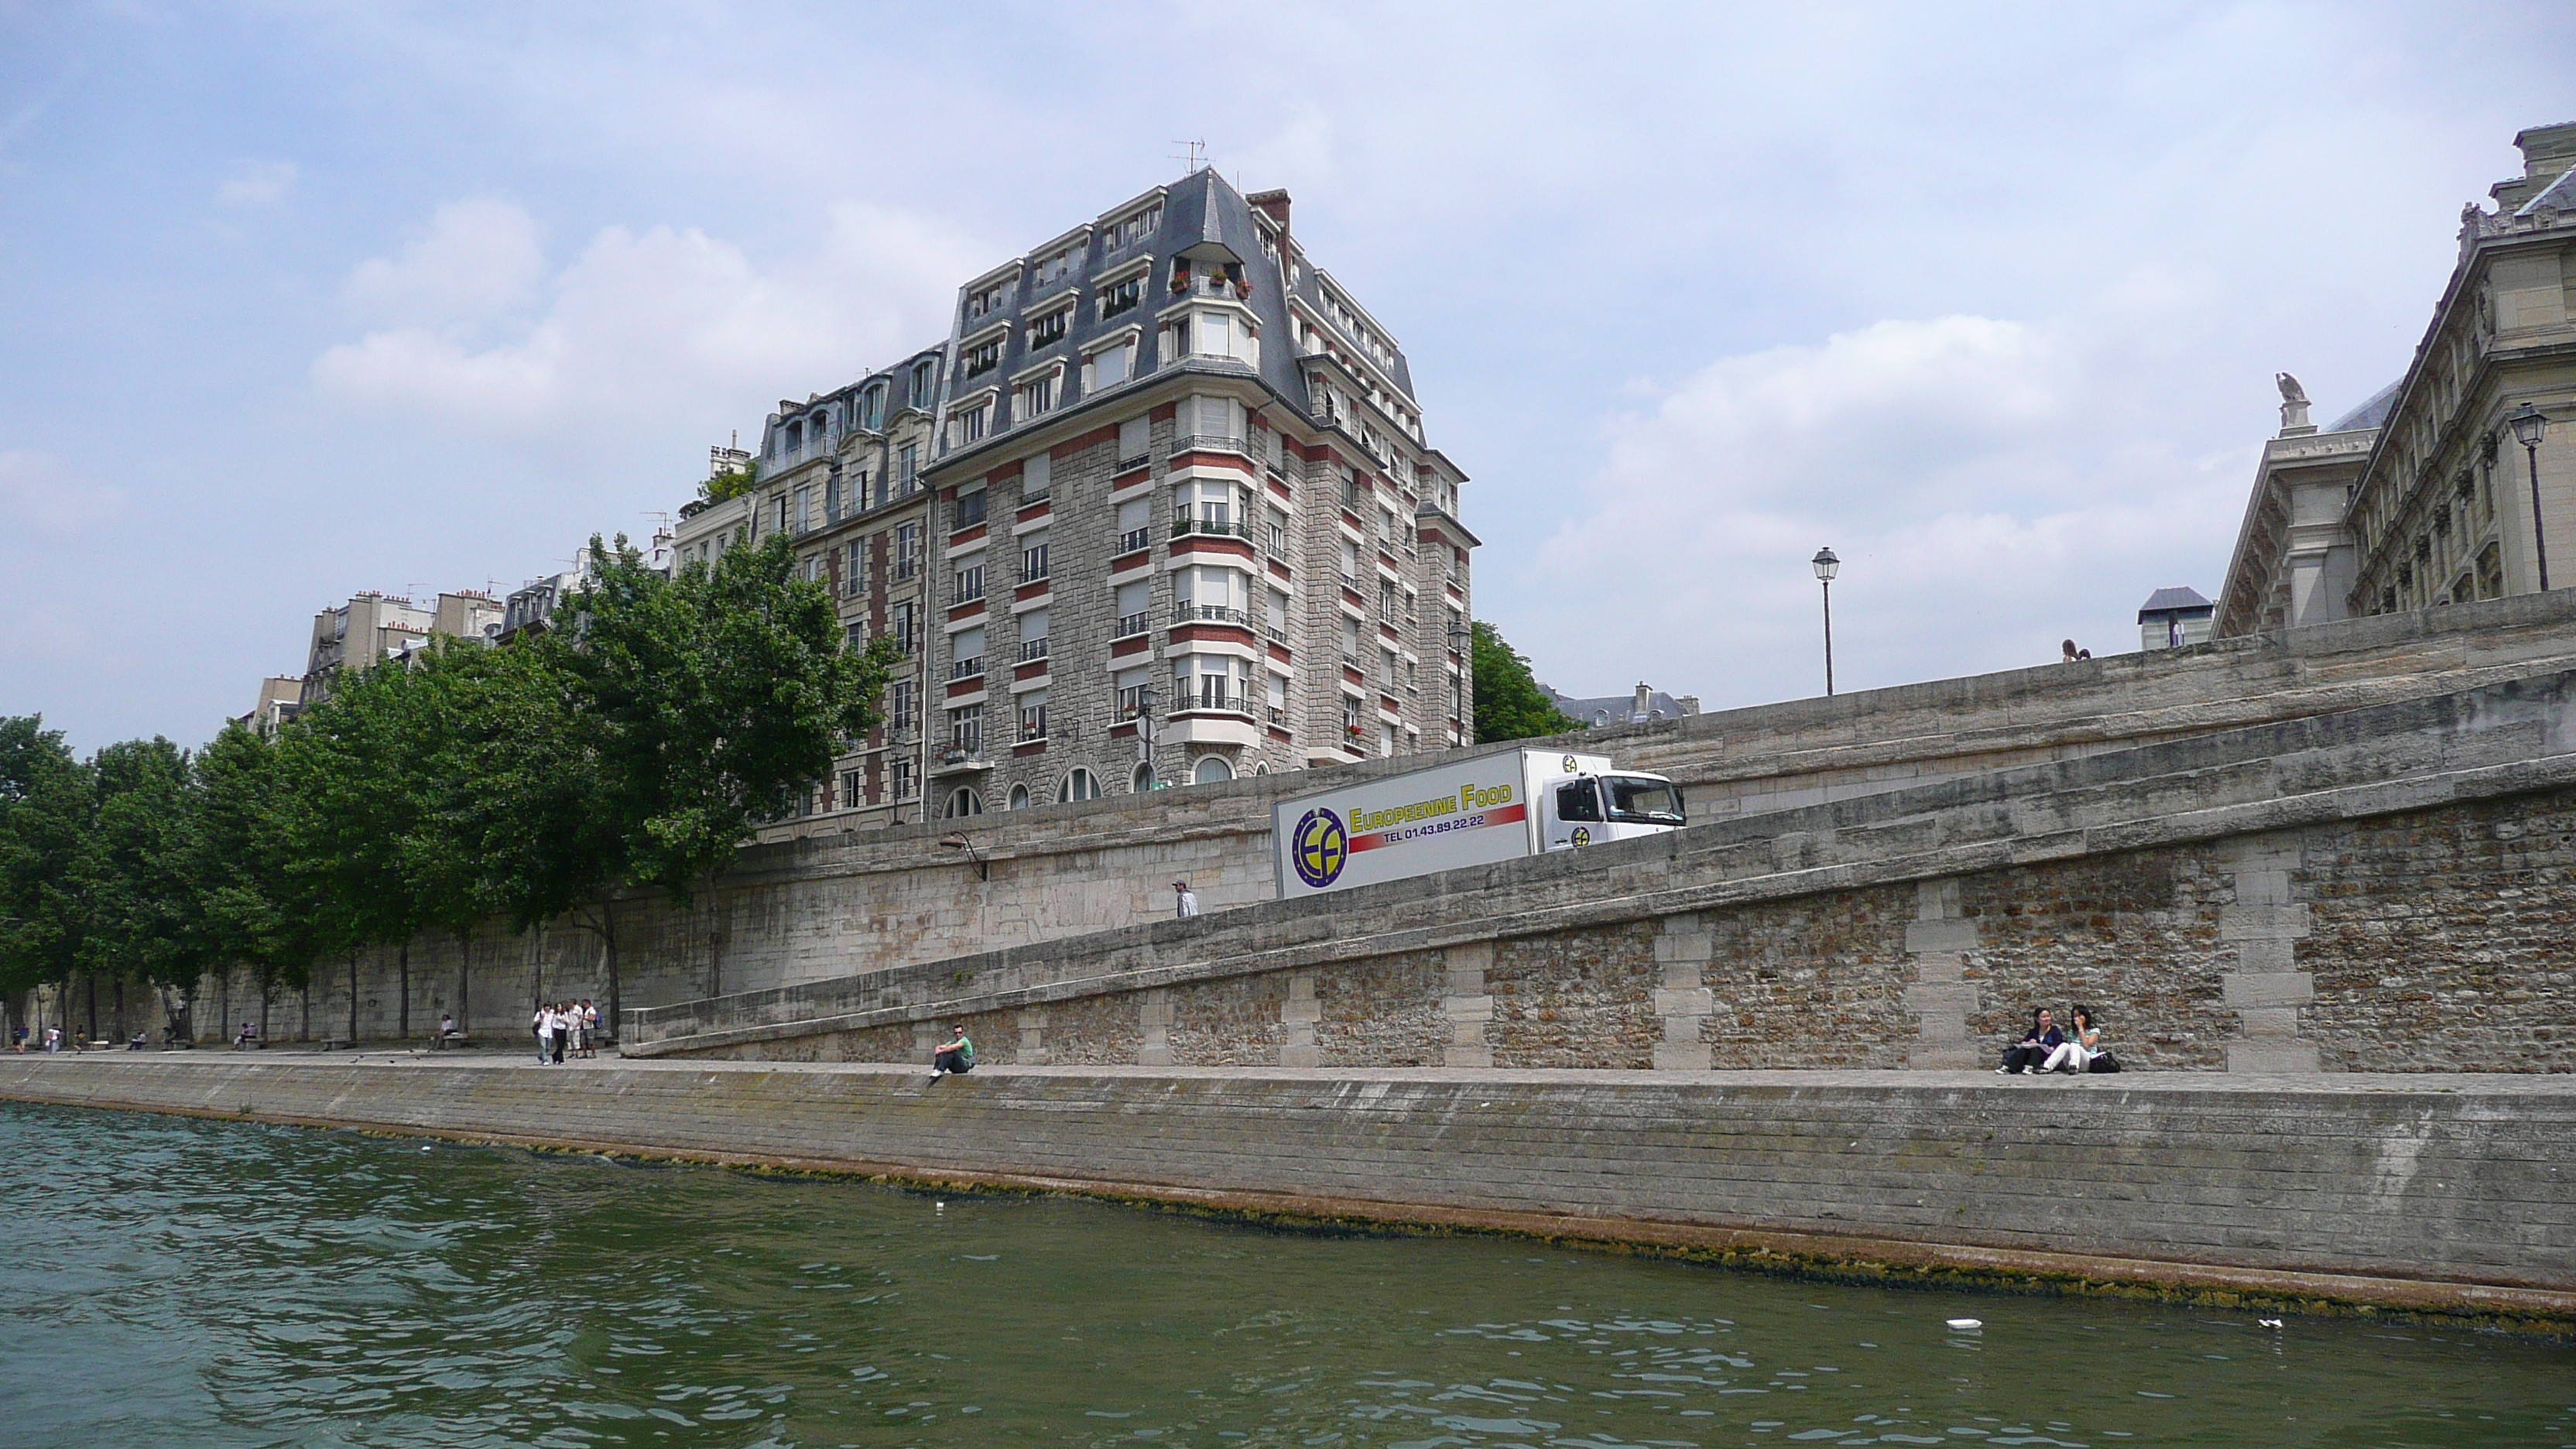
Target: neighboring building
[280,696]
[2173,619]
[1161,511]
[1616,709]
[374,627]
[2293,562]
[2440,505]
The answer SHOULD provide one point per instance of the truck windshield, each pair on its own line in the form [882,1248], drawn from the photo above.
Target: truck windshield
[1644,802]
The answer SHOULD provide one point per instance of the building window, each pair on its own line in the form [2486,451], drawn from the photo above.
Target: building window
[963,803]
[966,730]
[1033,636]
[853,783]
[1019,797]
[984,303]
[1037,477]
[1119,296]
[1033,717]
[1037,395]
[1133,228]
[1211,770]
[1049,330]
[1133,604]
[854,571]
[1054,269]
[1109,366]
[905,785]
[925,389]
[872,407]
[1134,693]
[899,711]
[1080,785]
[906,637]
[907,550]
[907,469]
[1275,535]
[968,512]
[970,584]
[854,638]
[1135,525]
[966,654]
[971,423]
[1033,559]
[1143,779]
[983,357]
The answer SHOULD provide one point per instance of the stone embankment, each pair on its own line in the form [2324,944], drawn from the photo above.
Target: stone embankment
[2451,1195]
[2388,888]
[832,905]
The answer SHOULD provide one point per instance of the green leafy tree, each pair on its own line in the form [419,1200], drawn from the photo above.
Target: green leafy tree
[730,484]
[1509,703]
[250,913]
[133,866]
[708,702]
[350,797]
[46,804]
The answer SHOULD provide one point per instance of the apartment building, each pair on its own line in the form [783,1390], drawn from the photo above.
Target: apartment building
[1161,511]
[373,627]
[845,474]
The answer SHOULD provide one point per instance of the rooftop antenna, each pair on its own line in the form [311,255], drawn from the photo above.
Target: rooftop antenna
[1194,152]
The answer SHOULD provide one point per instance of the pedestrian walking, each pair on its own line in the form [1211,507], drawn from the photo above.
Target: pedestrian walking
[1187,899]
[543,1027]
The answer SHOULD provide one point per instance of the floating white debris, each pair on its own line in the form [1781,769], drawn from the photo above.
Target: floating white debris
[2267,1323]
[1964,1324]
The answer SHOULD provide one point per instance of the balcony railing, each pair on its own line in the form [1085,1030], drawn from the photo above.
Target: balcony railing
[1278,715]
[1130,625]
[1278,634]
[1032,649]
[1141,460]
[1209,528]
[1134,539]
[966,668]
[1210,443]
[905,568]
[1186,613]
[1032,575]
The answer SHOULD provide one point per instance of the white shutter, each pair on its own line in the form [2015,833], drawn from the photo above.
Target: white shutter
[1135,438]
[1033,624]
[1132,598]
[1036,474]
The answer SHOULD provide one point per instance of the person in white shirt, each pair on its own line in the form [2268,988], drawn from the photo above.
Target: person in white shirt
[2083,1044]
[543,1025]
[1188,899]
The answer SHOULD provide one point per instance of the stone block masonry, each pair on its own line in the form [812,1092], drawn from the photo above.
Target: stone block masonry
[828,907]
[2442,1194]
[1914,928]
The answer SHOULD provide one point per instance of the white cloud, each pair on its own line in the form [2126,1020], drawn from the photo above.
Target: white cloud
[43,495]
[641,322]
[258,183]
[1981,478]
[479,262]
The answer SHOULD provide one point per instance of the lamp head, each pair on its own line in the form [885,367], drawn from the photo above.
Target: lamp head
[2529,425]
[1826,565]
[952,842]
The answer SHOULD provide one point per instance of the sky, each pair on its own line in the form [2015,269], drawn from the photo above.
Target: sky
[300,299]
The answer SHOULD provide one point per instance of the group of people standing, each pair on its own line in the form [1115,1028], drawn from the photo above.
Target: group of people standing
[2046,1047]
[566,1026]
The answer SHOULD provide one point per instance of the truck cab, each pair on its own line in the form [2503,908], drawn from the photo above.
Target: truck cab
[1583,807]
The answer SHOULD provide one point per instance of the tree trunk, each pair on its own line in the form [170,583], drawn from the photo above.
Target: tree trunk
[403,1017]
[464,980]
[608,949]
[92,1027]
[353,998]
[304,999]
[267,979]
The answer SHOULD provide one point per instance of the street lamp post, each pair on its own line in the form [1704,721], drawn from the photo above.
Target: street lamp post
[1827,566]
[2529,426]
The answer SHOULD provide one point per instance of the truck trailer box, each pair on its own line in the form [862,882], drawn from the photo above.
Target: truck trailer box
[1467,812]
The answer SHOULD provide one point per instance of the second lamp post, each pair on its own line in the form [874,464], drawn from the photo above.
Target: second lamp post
[1826,567]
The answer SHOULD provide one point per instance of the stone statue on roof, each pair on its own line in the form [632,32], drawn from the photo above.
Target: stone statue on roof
[2291,392]
[2294,406]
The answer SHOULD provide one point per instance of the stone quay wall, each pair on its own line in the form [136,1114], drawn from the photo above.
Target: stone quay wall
[2427,849]
[829,906]
[2453,1195]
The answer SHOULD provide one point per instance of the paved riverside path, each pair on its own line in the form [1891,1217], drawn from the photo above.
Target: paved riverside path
[2452,1193]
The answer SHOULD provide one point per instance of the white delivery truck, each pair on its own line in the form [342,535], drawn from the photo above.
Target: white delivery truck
[1466,812]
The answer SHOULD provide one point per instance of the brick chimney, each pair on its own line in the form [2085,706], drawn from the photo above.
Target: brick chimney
[1272,204]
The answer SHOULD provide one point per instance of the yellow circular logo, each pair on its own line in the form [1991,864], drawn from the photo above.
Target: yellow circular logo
[1583,835]
[1320,848]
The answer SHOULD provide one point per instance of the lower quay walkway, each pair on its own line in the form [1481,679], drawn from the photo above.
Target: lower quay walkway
[2419,1193]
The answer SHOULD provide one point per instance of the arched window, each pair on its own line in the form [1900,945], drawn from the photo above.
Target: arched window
[964,803]
[1080,785]
[1019,797]
[1210,770]
[1143,779]
[1262,769]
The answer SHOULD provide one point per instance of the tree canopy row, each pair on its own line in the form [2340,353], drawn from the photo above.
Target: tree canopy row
[631,746]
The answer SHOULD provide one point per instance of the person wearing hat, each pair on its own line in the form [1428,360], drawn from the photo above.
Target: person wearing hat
[1189,900]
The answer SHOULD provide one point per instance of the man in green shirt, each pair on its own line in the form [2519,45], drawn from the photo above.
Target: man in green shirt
[957,1056]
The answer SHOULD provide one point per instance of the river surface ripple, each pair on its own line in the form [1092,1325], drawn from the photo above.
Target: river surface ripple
[182,1282]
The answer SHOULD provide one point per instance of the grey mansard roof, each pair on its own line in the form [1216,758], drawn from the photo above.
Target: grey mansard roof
[2174,601]
[2370,414]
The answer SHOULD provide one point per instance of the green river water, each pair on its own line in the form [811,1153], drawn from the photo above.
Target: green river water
[178,1282]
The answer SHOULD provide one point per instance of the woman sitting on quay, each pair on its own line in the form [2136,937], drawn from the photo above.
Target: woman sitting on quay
[2080,1049]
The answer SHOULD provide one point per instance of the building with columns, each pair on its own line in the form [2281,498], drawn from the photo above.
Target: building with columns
[1160,511]
[2427,495]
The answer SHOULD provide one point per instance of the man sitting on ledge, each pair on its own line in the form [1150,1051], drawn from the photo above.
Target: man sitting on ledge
[246,1038]
[957,1056]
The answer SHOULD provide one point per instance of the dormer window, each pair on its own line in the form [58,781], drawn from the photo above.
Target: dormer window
[1117,297]
[1054,269]
[987,301]
[1049,329]
[983,357]
[1133,228]
[925,385]
[872,407]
